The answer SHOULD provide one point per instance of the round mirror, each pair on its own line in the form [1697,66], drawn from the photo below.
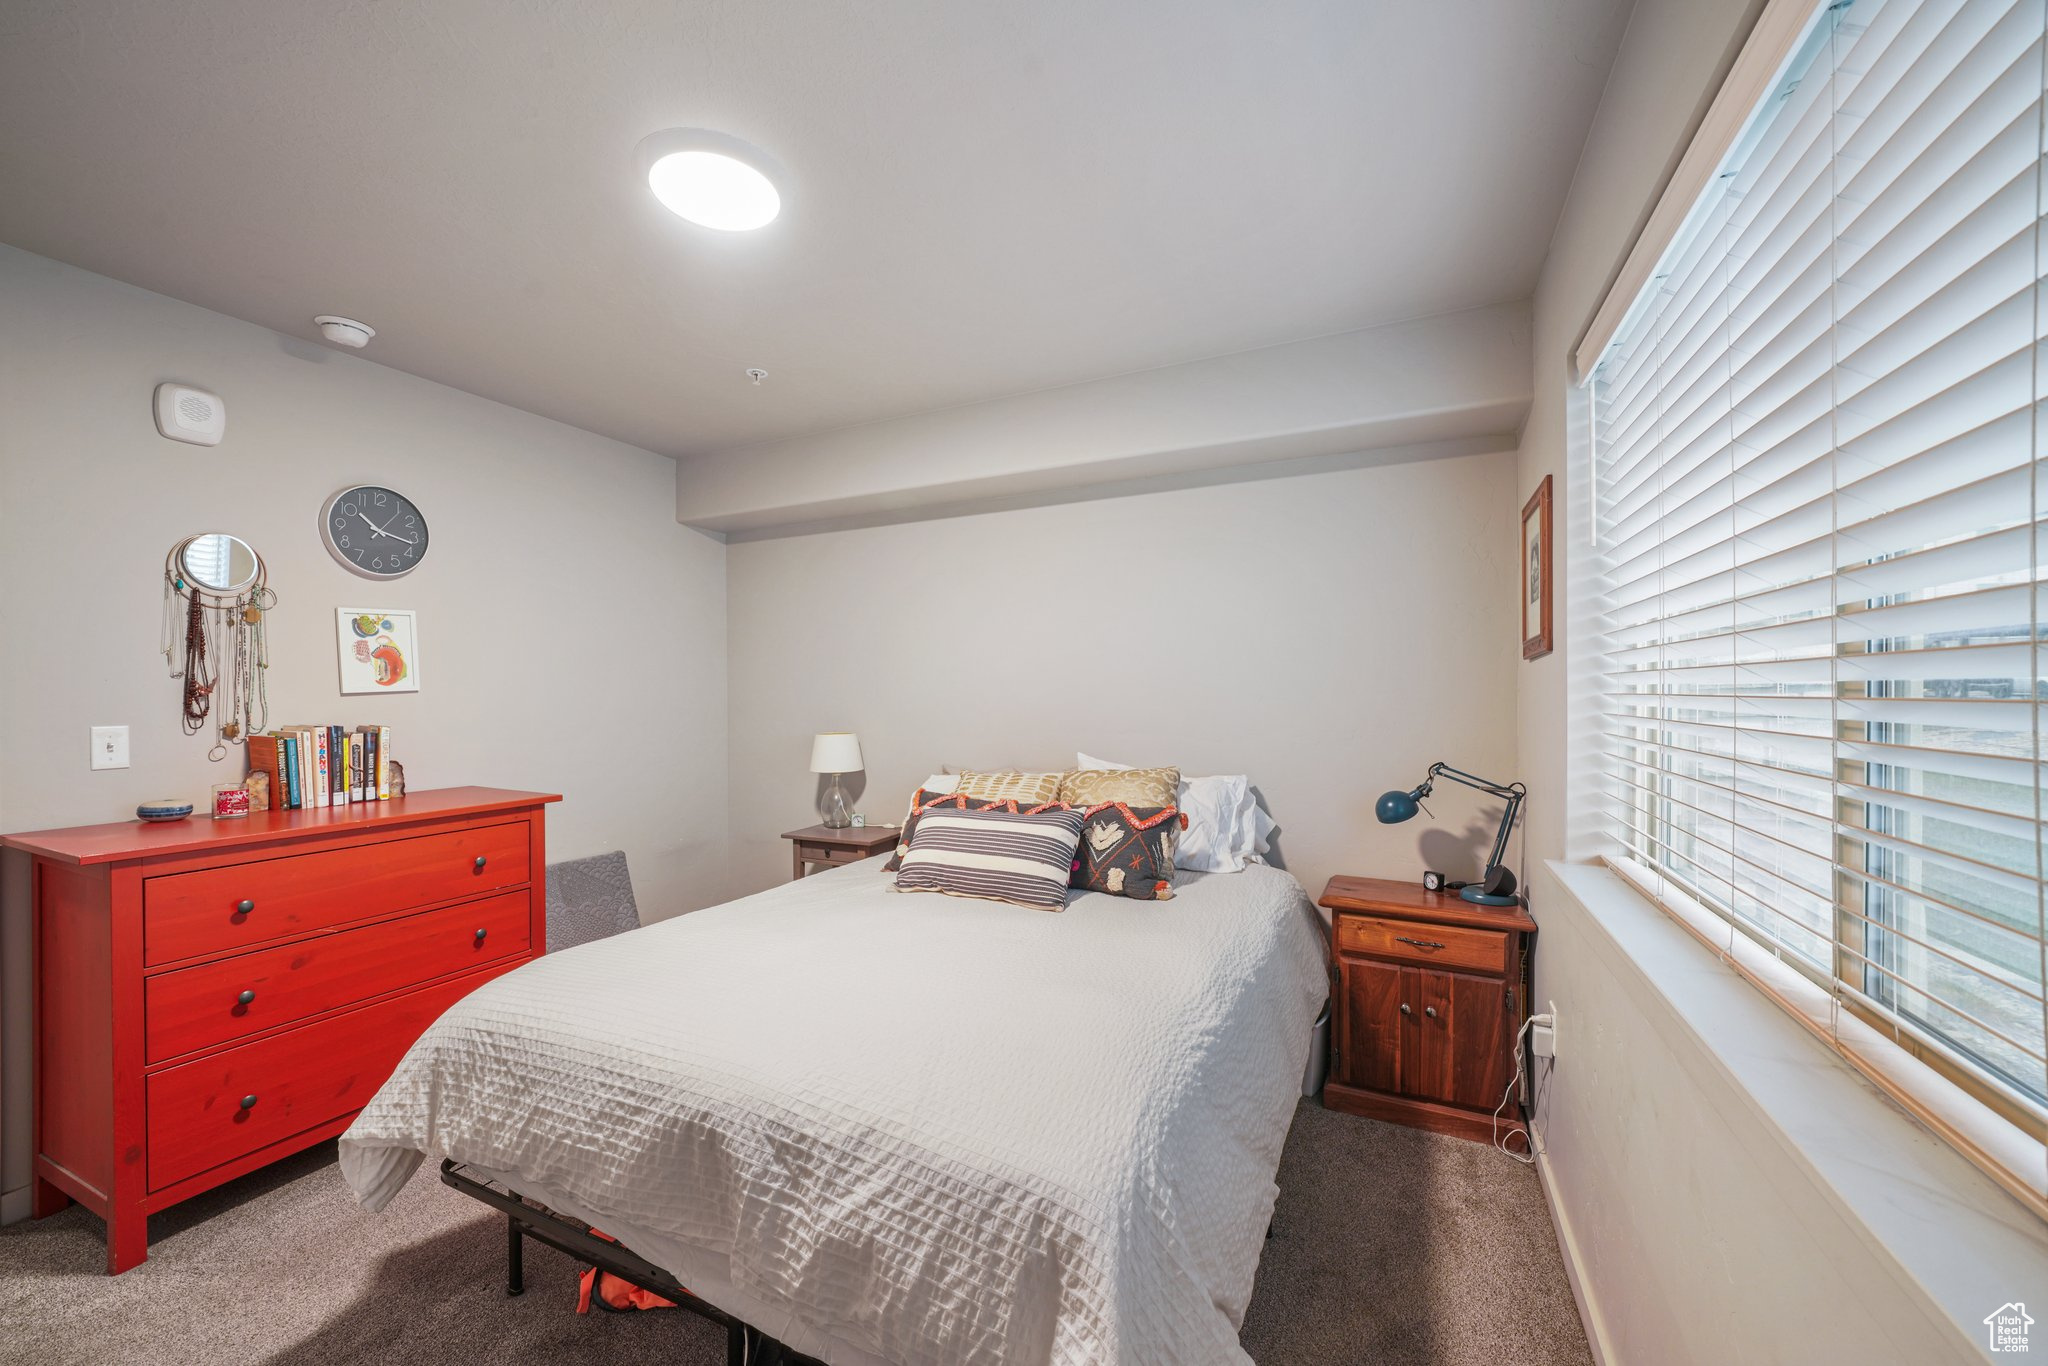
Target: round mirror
[218,562]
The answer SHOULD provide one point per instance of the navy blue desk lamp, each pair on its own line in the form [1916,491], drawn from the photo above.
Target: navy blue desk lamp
[1497,886]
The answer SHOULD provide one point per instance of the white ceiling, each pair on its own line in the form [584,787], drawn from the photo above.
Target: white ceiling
[982,198]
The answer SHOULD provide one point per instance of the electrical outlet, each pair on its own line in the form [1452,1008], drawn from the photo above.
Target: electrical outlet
[1543,1037]
[110,746]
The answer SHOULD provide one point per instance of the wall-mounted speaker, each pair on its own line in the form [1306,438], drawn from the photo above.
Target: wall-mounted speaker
[187,414]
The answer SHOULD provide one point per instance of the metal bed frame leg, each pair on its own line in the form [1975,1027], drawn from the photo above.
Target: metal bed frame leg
[515,1258]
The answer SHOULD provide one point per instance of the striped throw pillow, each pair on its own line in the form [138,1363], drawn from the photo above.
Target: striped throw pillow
[952,801]
[1022,857]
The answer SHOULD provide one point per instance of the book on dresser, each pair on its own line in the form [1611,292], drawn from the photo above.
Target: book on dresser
[323,765]
[210,996]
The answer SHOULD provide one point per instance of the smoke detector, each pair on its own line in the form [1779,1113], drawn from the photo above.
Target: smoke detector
[344,331]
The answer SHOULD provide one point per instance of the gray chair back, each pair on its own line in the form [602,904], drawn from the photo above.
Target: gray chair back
[589,898]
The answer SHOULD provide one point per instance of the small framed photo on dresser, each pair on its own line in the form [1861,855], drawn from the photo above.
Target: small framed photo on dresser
[1536,557]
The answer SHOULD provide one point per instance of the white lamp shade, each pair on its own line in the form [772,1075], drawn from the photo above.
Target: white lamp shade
[836,751]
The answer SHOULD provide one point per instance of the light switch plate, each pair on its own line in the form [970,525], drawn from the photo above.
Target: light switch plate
[110,746]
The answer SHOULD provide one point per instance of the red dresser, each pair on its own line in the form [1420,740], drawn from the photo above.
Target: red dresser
[212,995]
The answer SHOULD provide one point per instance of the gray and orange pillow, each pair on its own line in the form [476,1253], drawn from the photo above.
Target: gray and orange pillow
[1128,851]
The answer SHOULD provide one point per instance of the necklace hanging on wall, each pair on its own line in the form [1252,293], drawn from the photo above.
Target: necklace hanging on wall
[215,598]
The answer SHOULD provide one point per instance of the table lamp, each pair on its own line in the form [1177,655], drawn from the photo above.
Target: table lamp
[836,752]
[1497,886]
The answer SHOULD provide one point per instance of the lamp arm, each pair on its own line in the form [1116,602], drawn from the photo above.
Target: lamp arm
[1507,827]
[1514,792]
[1469,780]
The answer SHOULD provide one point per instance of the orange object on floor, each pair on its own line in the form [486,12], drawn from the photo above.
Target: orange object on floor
[613,1292]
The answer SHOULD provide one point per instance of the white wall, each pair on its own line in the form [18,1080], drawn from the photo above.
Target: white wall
[1700,1232]
[572,636]
[1452,377]
[1329,634]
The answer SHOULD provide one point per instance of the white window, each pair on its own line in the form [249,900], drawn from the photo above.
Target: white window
[1818,501]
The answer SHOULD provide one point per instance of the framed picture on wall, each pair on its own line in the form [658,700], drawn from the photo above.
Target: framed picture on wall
[1536,557]
[379,650]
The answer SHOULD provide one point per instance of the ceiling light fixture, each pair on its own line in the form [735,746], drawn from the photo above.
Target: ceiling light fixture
[714,180]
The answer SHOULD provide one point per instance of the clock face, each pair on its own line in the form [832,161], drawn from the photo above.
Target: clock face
[375,532]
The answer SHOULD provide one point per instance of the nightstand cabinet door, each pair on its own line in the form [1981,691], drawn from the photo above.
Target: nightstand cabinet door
[1369,1053]
[1462,1024]
[1436,1036]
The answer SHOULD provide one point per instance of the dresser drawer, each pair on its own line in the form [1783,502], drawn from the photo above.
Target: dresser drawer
[293,1081]
[192,1008]
[1408,942]
[223,909]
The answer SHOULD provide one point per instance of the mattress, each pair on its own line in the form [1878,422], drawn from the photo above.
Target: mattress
[901,1128]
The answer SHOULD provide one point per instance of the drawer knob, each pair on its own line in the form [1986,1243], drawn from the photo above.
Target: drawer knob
[244,907]
[1405,1010]
[480,935]
[479,863]
[1429,1011]
[249,1102]
[1418,943]
[247,996]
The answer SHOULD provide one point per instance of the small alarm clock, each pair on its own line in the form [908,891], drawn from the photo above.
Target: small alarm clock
[1432,882]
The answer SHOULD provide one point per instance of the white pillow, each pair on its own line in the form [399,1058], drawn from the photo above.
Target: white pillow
[1226,828]
[941,782]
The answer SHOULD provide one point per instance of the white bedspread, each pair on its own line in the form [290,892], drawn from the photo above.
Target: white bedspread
[901,1128]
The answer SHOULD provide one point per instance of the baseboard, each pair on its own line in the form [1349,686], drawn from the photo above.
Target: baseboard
[14,1205]
[1574,1271]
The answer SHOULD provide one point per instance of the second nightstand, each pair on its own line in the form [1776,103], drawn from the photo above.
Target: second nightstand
[1428,1005]
[823,844]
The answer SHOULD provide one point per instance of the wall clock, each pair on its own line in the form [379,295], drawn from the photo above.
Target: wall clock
[374,531]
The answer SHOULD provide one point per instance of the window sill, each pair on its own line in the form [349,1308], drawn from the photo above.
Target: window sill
[1961,1245]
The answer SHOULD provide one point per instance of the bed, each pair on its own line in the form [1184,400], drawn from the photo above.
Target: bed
[894,1128]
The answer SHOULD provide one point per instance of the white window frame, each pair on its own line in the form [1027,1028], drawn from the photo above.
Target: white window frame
[1998,1129]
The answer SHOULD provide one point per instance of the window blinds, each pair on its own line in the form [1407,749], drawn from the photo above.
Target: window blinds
[1818,499]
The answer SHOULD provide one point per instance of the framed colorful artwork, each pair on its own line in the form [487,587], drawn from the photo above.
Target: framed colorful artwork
[379,650]
[1536,557]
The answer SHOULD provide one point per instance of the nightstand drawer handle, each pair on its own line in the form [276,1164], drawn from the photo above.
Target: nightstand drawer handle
[1429,1011]
[1405,1010]
[246,997]
[1418,943]
[480,935]
[248,1102]
[244,907]
[479,863]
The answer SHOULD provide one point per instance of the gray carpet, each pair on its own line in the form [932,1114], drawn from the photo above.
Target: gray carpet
[1389,1245]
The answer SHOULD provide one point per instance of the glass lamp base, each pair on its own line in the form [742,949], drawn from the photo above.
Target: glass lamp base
[838,814]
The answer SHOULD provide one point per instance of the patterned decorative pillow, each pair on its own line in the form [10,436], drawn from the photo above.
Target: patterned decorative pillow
[1022,857]
[1028,788]
[923,800]
[1127,851]
[1154,787]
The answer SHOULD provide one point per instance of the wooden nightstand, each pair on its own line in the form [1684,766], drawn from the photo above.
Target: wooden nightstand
[822,844]
[1428,1004]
